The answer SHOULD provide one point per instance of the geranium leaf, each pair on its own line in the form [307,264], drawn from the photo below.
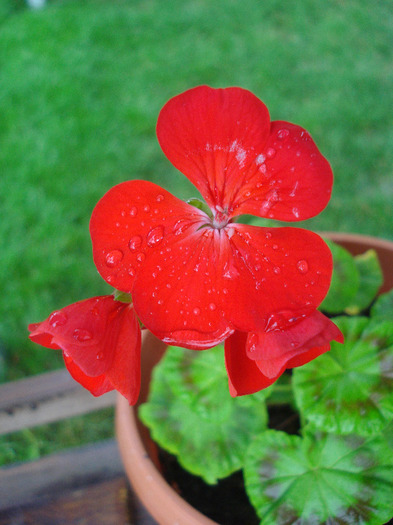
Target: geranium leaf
[345,280]
[382,310]
[191,414]
[371,279]
[350,388]
[329,480]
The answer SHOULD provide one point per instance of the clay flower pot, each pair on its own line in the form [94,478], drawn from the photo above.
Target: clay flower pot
[138,451]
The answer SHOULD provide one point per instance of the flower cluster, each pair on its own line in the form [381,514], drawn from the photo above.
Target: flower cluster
[194,276]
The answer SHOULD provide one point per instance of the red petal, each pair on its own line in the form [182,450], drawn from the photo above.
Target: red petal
[100,337]
[132,220]
[244,376]
[293,181]
[213,137]
[223,141]
[292,346]
[276,273]
[96,385]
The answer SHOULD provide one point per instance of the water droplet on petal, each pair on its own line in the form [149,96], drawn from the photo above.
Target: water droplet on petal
[295,212]
[135,243]
[140,257]
[160,198]
[113,258]
[270,199]
[268,235]
[282,133]
[58,319]
[212,307]
[277,270]
[302,266]
[100,356]
[155,236]
[270,153]
[180,226]
[196,311]
[146,208]
[131,271]
[133,211]
[260,159]
[230,270]
[82,336]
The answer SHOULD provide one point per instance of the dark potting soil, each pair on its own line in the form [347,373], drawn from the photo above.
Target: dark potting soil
[226,502]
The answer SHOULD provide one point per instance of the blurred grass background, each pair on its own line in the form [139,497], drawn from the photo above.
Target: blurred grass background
[81,85]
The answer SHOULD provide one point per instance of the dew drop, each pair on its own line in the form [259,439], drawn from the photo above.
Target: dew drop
[302,266]
[113,258]
[270,153]
[212,307]
[131,271]
[275,246]
[268,235]
[270,199]
[196,311]
[146,208]
[82,336]
[140,257]
[155,236]
[135,243]
[180,226]
[160,198]
[295,212]
[100,356]
[282,133]
[277,270]
[133,211]
[260,159]
[58,319]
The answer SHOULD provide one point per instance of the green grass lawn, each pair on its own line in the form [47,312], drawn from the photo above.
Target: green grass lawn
[81,85]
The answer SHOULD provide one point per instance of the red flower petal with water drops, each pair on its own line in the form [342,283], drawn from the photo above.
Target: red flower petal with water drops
[133,219]
[291,346]
[101,341]
[255,361]
[224,142]
[198,282]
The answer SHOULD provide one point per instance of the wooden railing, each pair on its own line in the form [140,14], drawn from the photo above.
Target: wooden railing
[81,485]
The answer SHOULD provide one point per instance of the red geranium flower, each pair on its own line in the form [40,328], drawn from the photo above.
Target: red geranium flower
[101,341]
[197,277]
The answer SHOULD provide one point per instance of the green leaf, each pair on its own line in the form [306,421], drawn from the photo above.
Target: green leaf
[350,388]
[191,414]
[201,205]
[320,480]
[371,279]
[382,310]
[345,281]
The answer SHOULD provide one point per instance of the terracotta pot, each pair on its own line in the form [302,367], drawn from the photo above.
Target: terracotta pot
[139,452]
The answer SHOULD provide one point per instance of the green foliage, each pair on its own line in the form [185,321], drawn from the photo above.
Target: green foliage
[321,479]
[350,388]
[355,281]
[371,279]
[382,310]
[191,414]
[345,280]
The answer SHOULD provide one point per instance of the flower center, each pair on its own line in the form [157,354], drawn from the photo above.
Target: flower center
[221,218]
